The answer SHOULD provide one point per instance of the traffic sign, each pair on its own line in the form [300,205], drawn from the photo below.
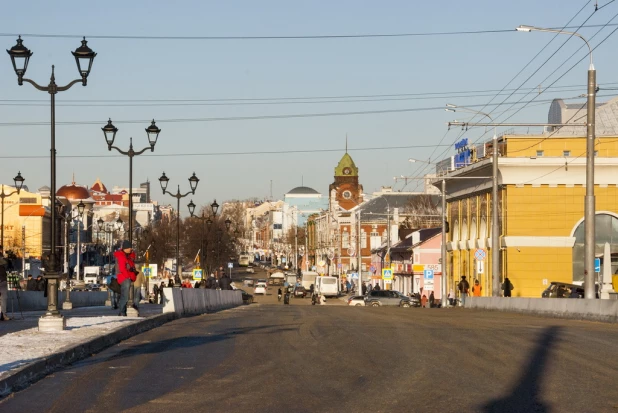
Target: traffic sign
[197,274]
[597,265]
[480,267]
[354,276]
[339,265]
[230,265]
[428,280]
[387,274]
[480,254]
[428,274]
[372,268]
[147,271]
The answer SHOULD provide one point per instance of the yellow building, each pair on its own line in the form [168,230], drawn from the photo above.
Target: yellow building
[26,223]
[541,209]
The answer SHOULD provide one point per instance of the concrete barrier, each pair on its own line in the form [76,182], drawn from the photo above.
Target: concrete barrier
[573,308]
[185,301]
[35,301]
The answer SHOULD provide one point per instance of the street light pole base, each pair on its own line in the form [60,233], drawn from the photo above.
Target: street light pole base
[132,312]
[67,305]
[52,323]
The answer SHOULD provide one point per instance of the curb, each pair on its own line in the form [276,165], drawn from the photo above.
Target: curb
[30,373]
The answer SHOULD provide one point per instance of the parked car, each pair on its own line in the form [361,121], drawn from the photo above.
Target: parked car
[563,290]
[248,282]
[390,298]
[246,297]
[356,300]
[92,287]
[300,292]
[260,288]
[250,270]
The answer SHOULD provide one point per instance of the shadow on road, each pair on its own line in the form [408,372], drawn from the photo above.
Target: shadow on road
[525,397]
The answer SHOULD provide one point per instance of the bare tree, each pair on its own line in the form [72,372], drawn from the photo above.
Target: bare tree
[422,213]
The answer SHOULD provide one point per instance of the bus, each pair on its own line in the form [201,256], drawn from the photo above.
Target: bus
[243,260]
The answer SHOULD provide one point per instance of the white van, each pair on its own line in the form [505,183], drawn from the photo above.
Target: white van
[308,279]
[327,286]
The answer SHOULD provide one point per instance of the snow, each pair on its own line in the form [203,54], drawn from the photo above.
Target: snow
[30,345]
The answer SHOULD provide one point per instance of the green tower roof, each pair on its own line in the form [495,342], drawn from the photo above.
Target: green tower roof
[346,162]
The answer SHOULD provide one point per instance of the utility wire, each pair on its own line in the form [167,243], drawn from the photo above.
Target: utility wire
[280,37]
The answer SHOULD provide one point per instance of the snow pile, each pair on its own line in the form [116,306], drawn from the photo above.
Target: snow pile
[29,345]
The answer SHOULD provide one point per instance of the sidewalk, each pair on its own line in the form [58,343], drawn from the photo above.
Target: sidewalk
[27,354]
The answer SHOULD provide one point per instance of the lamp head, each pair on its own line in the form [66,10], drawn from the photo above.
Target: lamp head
[109,131]
[193,181]
[19,181]
[20,56]
[164,180]
[191,207]
[84,56]
[153,134]
[524,28]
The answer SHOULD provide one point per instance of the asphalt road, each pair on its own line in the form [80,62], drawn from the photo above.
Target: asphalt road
[335,358]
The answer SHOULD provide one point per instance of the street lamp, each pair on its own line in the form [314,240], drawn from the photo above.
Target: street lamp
[19,183]
[589,203]
[206,223]
[164,181]
[20,56]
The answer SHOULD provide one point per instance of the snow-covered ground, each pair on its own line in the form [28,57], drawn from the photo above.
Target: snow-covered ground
[30,345]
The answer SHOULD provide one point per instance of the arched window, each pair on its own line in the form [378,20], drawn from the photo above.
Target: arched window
[606,230]
[455,230]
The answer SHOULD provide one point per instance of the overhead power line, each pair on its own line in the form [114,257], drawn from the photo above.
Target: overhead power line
[169,155]
[277,37]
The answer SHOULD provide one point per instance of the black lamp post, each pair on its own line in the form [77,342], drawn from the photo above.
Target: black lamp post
[193,181]
[19,183]
[20,56]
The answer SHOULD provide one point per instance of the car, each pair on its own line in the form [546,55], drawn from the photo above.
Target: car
[246,297]
[563,290]
[262,281]
[390,298]
[92,287]
[300,292]
[250,270]
[248,282]
[260,288]
[356,300]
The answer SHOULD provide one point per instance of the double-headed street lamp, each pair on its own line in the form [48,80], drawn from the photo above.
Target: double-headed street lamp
[193,181]
[206,223]
[109,131]
[19,183]
[589,202]
[20,56]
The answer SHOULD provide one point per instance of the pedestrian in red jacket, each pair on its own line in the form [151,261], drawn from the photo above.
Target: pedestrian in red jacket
[125,259]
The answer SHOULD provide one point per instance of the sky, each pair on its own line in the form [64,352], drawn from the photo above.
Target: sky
[200,91]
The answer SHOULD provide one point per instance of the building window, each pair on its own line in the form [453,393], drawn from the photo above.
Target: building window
[566,153]
[363,239]
[539,153]
[345,240]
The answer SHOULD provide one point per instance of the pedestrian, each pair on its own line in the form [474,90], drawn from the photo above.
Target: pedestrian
[476,289]
[186,284]
[126,273]
[311,289]
[364,288]
[507,287]
[170,283]
[431,299]
[464,288]
[211,283]
[31,284]
[155,290]
[40,283]
[161,287]
[347,286]
[225,283]
[4,285]
[377,287]
[197,284]
[369,287]
[424,301]
[114,289]
[280,293]
[140,281]
[451,298]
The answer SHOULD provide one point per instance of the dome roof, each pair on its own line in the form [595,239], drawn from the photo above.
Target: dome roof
[73,192]
[303,190]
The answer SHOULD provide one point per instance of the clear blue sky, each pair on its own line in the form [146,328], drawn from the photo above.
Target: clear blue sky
[205,69]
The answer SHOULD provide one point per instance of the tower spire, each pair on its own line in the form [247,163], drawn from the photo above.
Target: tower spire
[346,143]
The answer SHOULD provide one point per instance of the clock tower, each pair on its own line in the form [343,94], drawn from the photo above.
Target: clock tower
[345,190]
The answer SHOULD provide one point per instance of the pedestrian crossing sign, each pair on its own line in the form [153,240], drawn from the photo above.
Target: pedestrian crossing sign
[197,274]
[387,274]
[147,271]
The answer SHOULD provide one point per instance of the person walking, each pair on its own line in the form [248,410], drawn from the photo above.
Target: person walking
[40,283]
[507,287]
[476,289]
[424,301]
[4,285]
[211,283]
[225,283]
[451,297]
[161,287]
[125,259]
[155,290]
[431,299]
[364,288]
[464,288]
